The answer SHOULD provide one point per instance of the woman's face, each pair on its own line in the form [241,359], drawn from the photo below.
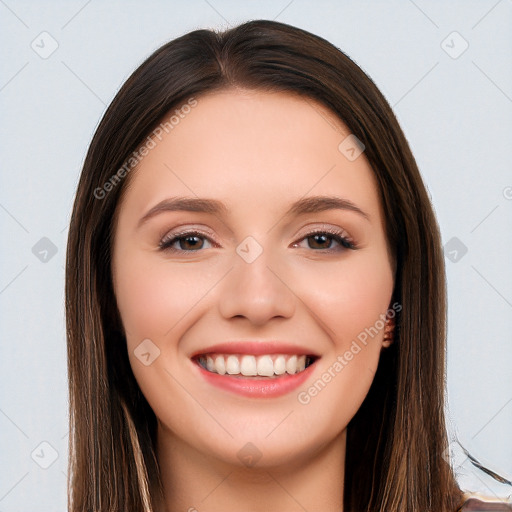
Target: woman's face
[247,239]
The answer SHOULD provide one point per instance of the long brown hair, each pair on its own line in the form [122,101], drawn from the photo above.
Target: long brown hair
[396,440]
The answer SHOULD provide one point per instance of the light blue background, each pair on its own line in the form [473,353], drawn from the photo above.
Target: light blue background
[455,112]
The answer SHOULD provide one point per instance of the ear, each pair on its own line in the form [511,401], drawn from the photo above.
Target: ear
[389,332]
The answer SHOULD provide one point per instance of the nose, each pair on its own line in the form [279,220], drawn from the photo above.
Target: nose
[257,291]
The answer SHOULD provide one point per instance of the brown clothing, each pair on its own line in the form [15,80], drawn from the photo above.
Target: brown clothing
[476,505]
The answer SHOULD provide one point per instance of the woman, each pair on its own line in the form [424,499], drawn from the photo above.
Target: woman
[255,290]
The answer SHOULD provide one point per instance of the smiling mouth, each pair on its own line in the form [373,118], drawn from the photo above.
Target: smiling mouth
[267,366]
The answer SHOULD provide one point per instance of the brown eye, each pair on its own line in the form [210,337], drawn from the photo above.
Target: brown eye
[184,242]
[190,243]
[325,240]
[319,241]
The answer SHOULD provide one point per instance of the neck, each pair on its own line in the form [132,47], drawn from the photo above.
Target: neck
[194,482]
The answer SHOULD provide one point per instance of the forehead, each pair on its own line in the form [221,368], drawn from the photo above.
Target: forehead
[250,146]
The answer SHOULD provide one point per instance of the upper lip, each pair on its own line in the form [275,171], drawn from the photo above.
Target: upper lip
[255,348]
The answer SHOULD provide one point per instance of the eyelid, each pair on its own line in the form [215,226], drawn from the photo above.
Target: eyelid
[178,232]
[327,228]
[185,229]
[339,234]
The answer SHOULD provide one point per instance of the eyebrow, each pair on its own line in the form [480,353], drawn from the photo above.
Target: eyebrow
[311,204]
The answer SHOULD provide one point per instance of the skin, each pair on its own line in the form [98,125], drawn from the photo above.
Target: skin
[257,152]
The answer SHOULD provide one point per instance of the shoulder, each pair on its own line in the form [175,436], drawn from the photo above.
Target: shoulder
[473,504]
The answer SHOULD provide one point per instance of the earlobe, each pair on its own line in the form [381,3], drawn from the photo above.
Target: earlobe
[389,332]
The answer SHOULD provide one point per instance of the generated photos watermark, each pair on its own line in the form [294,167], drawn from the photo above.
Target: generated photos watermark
[149,143]
[342,360]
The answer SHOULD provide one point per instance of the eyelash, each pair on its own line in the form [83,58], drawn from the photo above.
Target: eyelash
[345,242]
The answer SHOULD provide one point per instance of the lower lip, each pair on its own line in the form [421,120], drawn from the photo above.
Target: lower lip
[264,387]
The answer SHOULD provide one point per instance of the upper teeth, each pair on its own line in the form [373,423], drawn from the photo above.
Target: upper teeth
[249,365]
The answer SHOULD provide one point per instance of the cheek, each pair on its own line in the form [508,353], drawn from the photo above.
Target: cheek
[349,297]
[153,297]
[333,398]
[157,300]
[348,304]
